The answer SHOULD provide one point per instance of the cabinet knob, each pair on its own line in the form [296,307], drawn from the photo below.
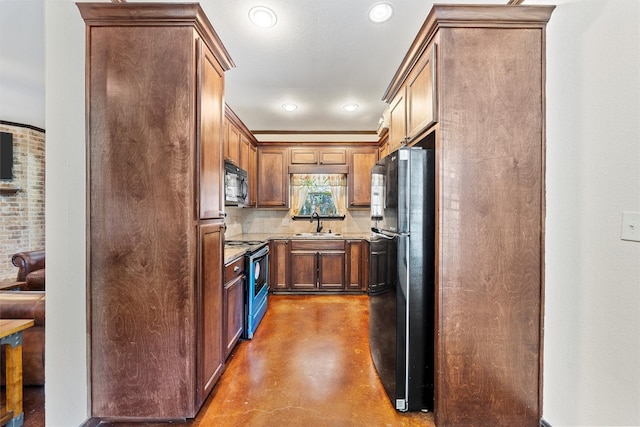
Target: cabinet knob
[236,269]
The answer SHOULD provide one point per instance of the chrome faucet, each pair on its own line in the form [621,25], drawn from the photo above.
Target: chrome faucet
[315,215]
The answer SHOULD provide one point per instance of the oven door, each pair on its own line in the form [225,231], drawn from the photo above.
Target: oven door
[257,290]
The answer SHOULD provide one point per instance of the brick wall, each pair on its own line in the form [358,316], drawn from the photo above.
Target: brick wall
[22,212]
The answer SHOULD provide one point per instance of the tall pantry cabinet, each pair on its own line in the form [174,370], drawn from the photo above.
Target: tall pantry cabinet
[473,83]
[154,93]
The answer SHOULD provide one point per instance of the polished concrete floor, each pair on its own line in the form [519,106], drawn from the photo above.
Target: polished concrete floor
[308,365]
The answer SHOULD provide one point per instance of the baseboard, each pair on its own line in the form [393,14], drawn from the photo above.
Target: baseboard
[544,423]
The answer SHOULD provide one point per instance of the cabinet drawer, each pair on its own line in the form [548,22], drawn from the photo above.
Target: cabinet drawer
[317,245]
[234,269]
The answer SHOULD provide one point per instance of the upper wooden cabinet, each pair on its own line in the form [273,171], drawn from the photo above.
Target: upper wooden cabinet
[245,145]
[273,177]
[209,94]
[361,160]
[318,156]
[421,95]
[232,143]
[414,108]
[253,176]
[397,121]
[490,151]
[240,148]
[154,127]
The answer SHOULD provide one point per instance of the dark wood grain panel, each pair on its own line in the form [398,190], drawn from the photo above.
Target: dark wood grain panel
[278,264]
[154,97]
[273,185]
[359,180]
[354,263]
[211,91]
[304,267]
[141,200]
[211,352]
[331,270]
[490,227]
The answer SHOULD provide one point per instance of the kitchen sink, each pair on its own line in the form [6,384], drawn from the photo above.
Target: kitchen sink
[318,234]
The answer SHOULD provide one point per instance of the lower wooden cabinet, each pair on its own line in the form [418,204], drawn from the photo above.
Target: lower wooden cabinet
[278,265]
[357,263]
[316,265]
[210,352]
[233,302]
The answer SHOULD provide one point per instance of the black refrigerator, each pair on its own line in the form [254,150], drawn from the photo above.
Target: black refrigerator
[401,286]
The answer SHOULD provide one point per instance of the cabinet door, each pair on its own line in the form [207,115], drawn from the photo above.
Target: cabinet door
[233,312]
[278,265]
[253,175]
[355,271]
[421,104]
[244,152]
[333,156]
[362,160]
[397,122]
[305,270]
[304,156]
[209,303]
[331,270]
[210,93]
[234,144]
[273,178]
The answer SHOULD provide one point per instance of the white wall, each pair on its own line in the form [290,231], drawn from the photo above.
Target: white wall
[592,333]
[592,321]
[66,343]
[22,64]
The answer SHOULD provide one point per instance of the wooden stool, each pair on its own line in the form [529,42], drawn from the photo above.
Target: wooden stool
[11,337]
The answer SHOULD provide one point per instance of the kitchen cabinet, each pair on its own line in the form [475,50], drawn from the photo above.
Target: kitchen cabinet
[317,265]
[318,156]
[356,265]
[397,122]
[233,143]
[383,144]
[155,230]
[210,325]
[273,177]
[279,264]
[490,167]
[253,176]
[421,95]
[244,152]
[233,299]
[361,160]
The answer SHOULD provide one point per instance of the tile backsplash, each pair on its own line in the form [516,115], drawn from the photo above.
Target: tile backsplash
[243,220]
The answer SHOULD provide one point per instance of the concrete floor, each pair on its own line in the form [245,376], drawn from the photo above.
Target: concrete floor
[307,365]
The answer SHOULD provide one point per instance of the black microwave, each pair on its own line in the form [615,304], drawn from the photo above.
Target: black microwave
[236,185]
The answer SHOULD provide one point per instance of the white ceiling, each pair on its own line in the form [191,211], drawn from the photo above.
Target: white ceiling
[320,55]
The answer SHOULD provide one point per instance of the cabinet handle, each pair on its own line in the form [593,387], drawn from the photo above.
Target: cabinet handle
[236,269]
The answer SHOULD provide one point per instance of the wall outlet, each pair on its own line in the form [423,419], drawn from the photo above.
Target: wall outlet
[285,221]
[630,226]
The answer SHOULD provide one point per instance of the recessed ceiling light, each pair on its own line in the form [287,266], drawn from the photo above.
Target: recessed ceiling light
[380,12]
[350,107]
[289,107]
[263,16]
